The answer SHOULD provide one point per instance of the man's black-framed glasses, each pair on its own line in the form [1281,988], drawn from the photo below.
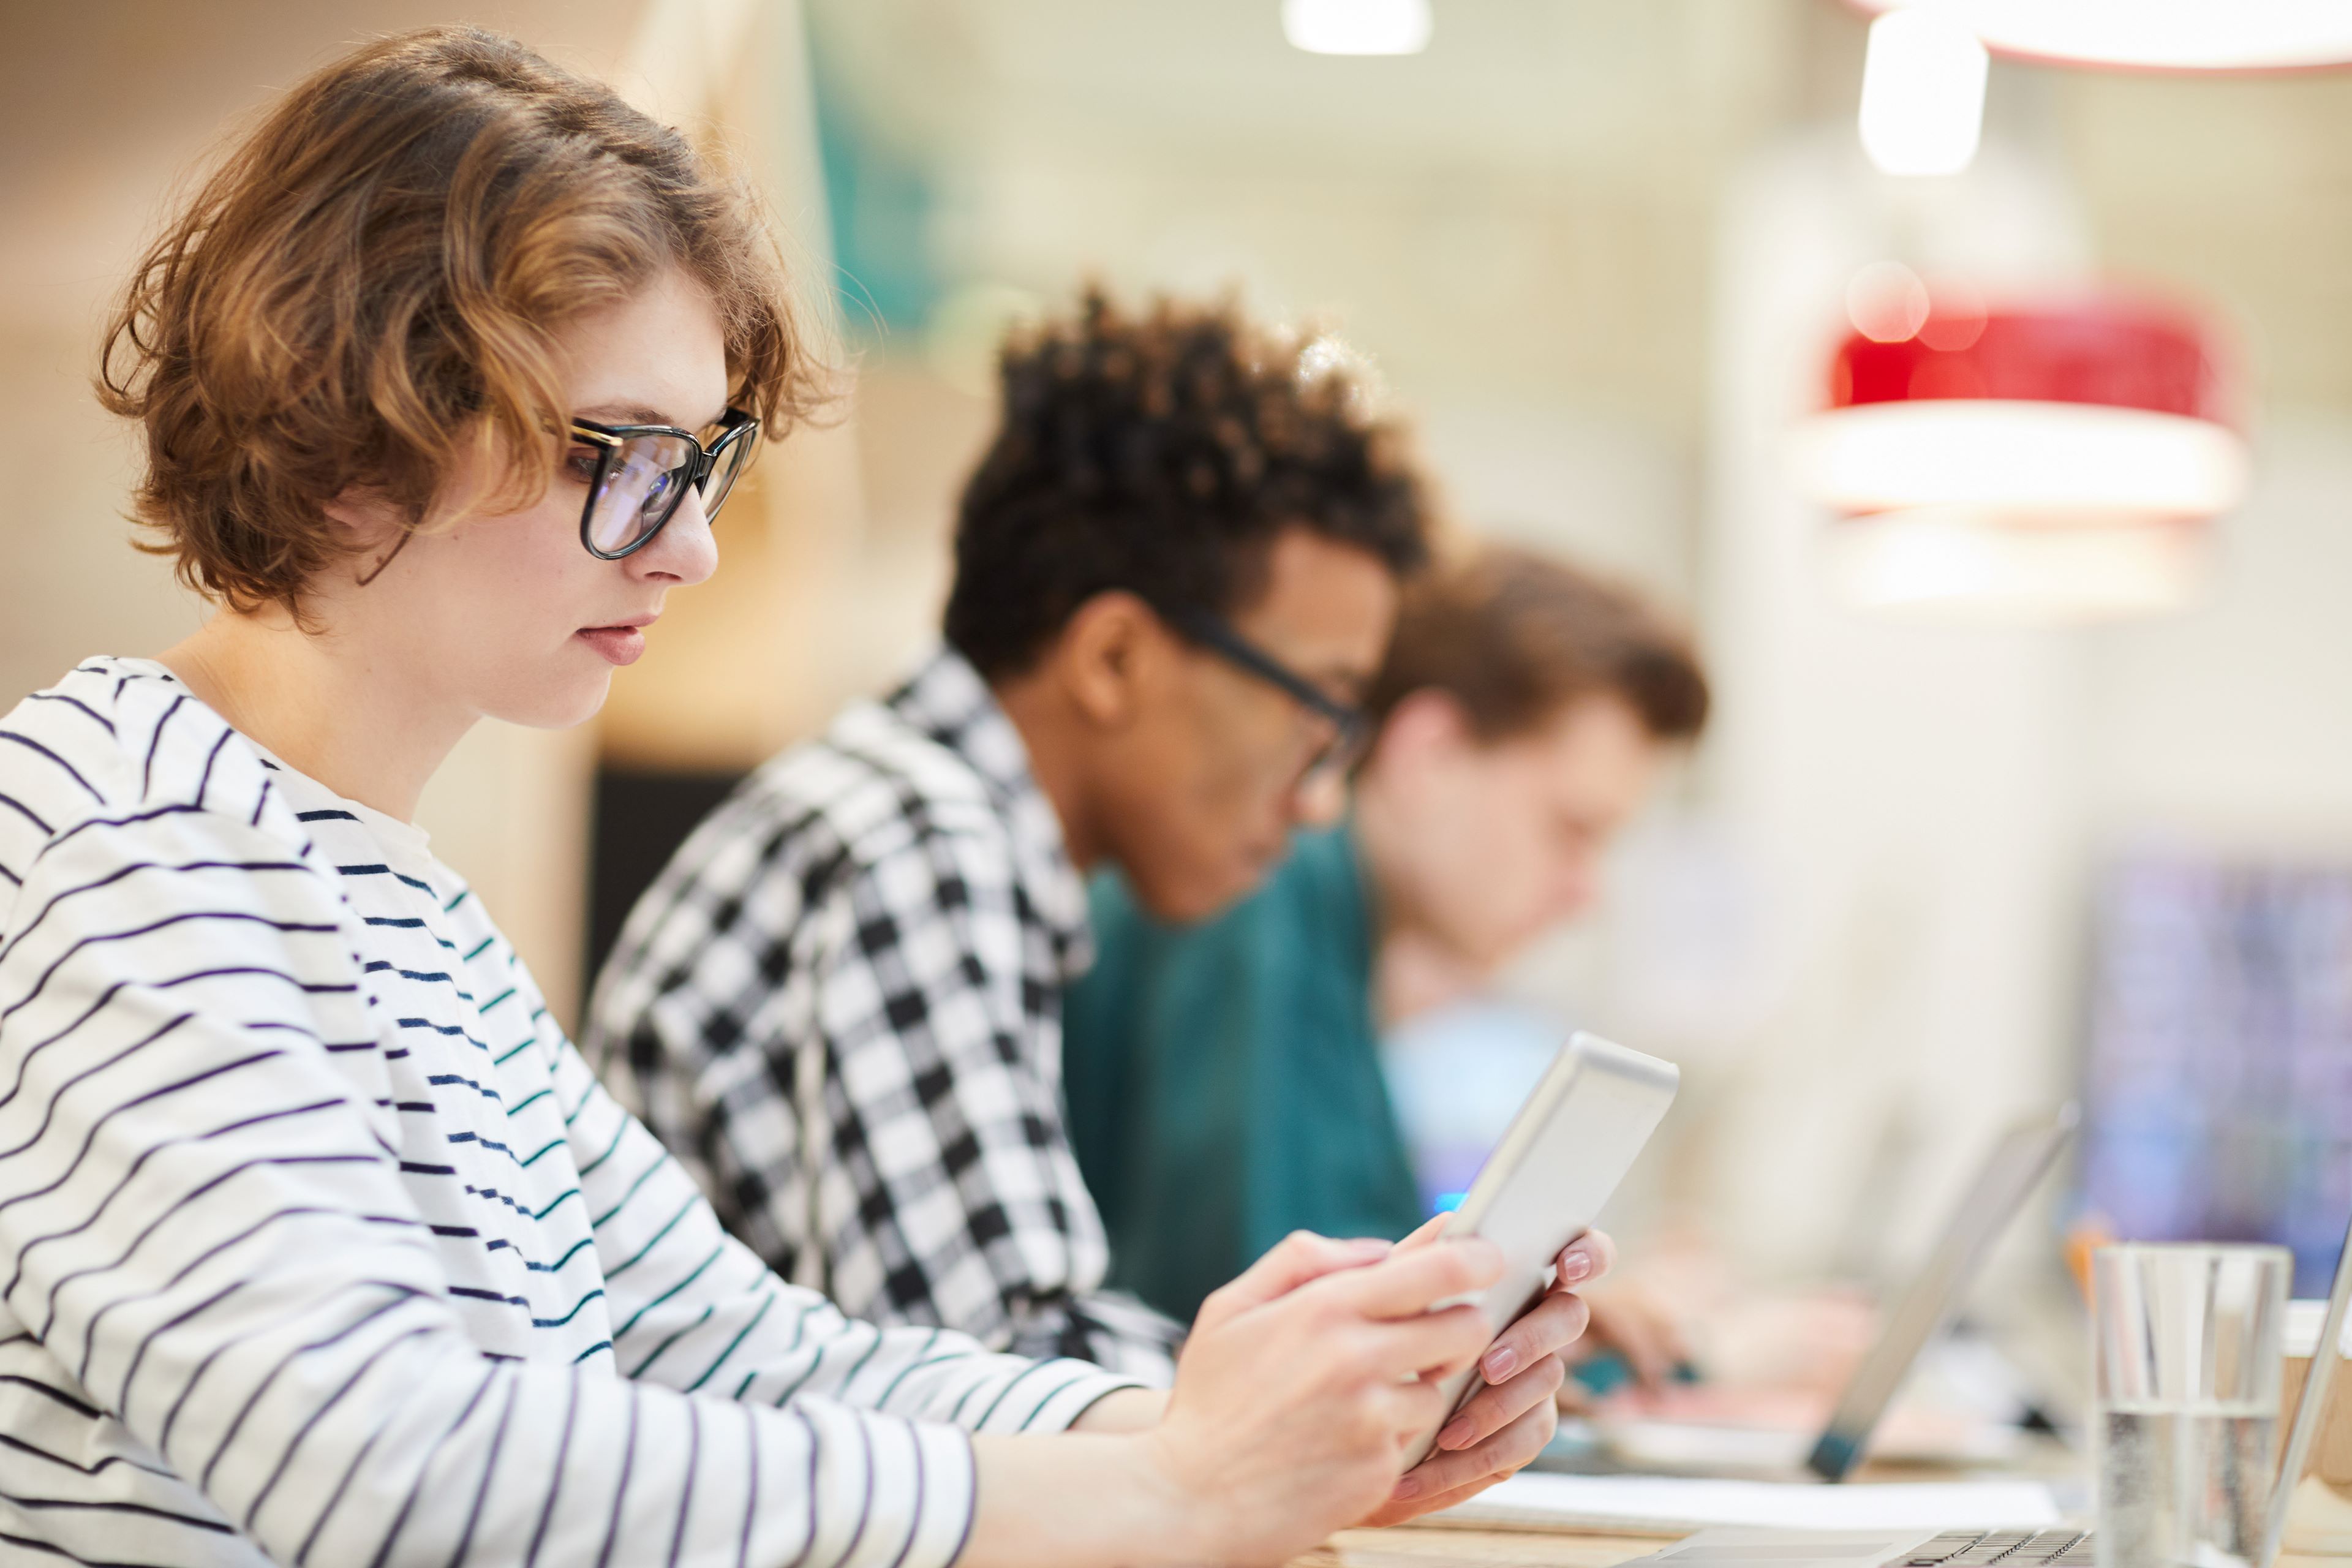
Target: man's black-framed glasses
[1351,727]
[641,473]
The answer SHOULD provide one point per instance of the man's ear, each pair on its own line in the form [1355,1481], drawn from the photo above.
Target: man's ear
[1423,725]
[1112,655]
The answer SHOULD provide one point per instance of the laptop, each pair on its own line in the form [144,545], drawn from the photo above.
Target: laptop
[2008,1176]
[2065,1547]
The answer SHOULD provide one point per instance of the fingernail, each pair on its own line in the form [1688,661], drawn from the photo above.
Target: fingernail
[1456,1435]
[1498,1362]
[1408,1488]
[1575,1266]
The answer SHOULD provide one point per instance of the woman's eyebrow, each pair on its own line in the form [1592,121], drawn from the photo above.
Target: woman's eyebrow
[626,413]
[643,413]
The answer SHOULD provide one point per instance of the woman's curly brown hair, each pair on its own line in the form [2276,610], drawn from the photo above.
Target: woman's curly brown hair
[1161,453]
[373,283]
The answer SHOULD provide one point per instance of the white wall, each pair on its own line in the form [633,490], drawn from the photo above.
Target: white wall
[1880,861]
[2230,726]
[1870,910]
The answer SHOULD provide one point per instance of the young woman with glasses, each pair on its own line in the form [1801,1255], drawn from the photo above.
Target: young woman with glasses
[317,1242]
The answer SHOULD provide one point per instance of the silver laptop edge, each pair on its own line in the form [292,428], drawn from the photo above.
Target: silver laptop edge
[2006,1179]
[2000,1189]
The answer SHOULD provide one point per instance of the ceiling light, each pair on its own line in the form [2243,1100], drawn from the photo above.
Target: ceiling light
[1923,91]
[2156,35]
[1988,452]
[2059,461]
[1967,564]
[2098,405]
[1356,26]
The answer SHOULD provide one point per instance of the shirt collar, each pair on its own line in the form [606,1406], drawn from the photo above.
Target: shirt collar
[946,701]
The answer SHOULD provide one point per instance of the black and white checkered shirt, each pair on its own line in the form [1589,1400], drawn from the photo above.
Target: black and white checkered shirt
[840,1005]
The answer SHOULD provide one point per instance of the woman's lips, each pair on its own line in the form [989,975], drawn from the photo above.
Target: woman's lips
[615,644]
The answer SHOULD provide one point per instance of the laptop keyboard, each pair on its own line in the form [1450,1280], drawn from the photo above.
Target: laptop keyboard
[1966,1548]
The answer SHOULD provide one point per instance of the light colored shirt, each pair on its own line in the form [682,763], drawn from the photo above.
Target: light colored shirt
[841,1004]
[318,1243]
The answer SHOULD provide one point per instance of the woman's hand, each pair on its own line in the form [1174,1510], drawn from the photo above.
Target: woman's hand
[1507,1423]
[1304,1380]
[1297,1396]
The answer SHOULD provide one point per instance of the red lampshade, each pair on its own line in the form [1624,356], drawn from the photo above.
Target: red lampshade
[2122,353]
[2100,403]
[2038,459]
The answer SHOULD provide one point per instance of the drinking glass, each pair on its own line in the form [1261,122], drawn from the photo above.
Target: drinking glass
[2186,1341]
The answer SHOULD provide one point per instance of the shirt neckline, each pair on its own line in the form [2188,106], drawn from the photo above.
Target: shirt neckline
[949,702]
[405,837]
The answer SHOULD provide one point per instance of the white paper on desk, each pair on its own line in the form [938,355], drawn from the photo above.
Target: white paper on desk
[1673,1505]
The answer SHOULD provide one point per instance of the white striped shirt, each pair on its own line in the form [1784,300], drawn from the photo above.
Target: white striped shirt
[318,1243]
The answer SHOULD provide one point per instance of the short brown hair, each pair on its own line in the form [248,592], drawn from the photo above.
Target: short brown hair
[374,280]
[1161,451]
[1514,637]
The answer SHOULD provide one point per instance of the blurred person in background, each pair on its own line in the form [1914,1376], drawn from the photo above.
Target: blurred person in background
[1224,1078]
[1176,570]
[320,1242]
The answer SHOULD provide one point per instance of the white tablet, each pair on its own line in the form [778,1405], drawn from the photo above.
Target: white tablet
[1545,1183]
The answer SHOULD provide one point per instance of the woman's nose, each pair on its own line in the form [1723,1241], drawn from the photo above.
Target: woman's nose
[683,552]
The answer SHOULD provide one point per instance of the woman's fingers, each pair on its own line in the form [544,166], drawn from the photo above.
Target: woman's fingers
[1409,1282]
[1298,1259]
[1499,1456]
[1546,1328]
[1587,1258]
[1559,1319]
[1401,1510]
[1494,1408]
[1433,1346]
[1428,1231]
[1409,1409]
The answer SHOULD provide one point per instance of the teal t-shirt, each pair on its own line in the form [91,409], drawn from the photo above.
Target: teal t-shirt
[1224,1079]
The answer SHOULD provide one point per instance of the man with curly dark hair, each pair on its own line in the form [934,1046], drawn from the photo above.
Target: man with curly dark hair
[1176,570]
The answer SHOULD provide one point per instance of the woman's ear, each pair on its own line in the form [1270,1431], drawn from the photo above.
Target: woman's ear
[371,526]
[367,518]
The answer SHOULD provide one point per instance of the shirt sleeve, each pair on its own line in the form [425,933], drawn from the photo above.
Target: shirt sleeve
[207,1231]
[949,1192]
[697,1310]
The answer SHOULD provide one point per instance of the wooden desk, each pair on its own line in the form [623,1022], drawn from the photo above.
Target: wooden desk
[1410,1547]
[1425,1548]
